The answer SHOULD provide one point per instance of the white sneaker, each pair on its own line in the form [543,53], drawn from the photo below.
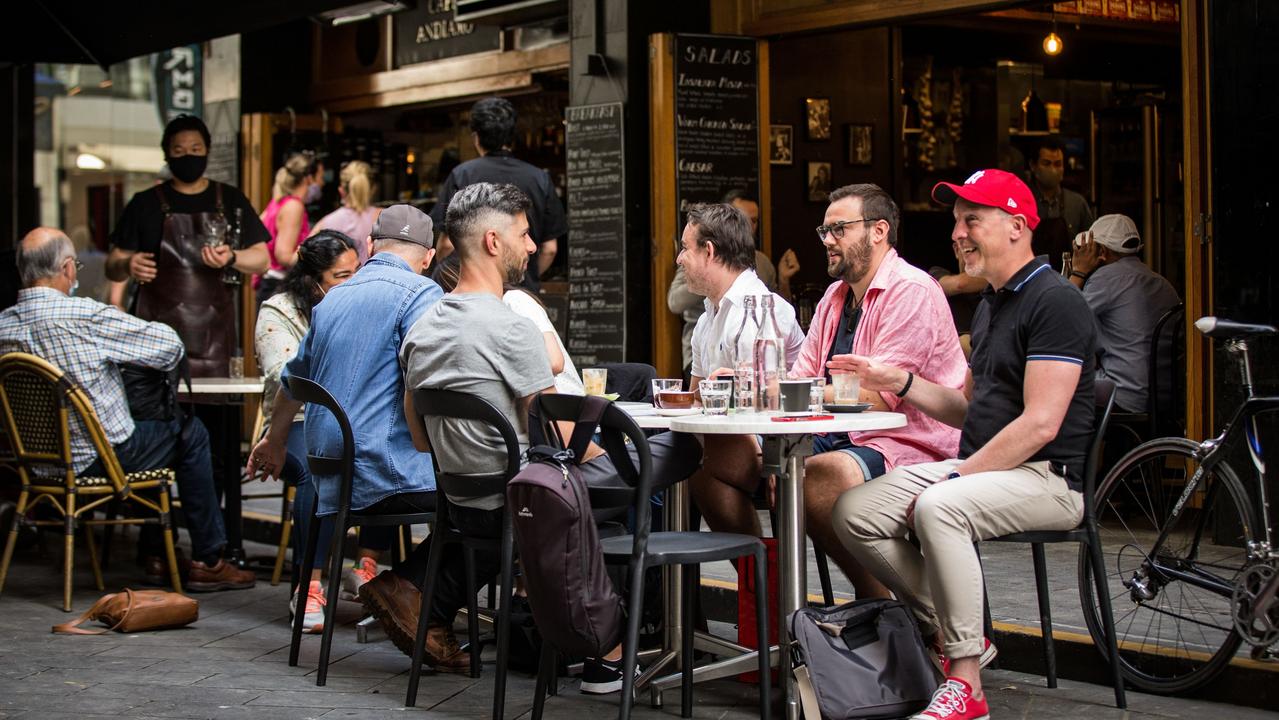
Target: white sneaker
[364,570]
[313,615]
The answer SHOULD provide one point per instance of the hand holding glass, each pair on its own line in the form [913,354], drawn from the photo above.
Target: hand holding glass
[847,387]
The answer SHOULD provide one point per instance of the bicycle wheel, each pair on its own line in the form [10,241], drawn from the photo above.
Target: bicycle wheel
[1172,604]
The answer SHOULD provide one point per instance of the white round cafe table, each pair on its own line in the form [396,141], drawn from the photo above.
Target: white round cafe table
[786,446]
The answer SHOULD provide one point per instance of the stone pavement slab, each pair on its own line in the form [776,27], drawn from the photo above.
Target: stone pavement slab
[232,664]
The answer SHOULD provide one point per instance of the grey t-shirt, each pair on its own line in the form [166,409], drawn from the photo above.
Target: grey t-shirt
[473,343]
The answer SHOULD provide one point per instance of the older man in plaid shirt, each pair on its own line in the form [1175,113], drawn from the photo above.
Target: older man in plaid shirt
[88,341]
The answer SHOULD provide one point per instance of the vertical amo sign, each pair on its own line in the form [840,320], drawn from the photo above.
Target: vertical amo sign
[179,83]
[716,118]
[597,234]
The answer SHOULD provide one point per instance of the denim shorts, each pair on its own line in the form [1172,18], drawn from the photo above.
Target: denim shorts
[870,461]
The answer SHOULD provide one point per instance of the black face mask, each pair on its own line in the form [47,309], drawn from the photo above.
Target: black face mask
[188,168]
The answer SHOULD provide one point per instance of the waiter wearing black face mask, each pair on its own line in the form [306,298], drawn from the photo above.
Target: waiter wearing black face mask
[173,240]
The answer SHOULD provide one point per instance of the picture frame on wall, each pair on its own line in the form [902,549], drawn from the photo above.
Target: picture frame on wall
[818,176]
[781,144]
[817,111]
[861,144]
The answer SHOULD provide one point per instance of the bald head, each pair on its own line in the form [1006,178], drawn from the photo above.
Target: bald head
[42,258]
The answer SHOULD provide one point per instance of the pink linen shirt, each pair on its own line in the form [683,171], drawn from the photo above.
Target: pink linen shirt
[905,323]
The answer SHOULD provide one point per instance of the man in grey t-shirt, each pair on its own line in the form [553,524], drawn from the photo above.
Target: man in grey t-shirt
[471,342]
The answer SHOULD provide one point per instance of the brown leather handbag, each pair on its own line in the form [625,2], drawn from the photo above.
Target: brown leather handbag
[136,611]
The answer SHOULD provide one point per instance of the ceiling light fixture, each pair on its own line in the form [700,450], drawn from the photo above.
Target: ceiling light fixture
[89,161]
[1052,42]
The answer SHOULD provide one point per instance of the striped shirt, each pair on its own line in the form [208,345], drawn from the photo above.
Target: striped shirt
[88,341]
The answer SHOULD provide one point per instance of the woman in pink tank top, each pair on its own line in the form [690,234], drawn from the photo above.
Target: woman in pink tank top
[297,182]
[355,218]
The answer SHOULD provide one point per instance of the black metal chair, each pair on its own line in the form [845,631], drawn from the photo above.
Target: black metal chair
[645,549]
[312,393]
[461,406]
[1163,403]
[1085,534]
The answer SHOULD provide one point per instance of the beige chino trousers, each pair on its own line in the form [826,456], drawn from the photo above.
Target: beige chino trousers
[942,579]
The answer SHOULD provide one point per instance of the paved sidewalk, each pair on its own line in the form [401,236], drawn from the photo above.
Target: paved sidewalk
[232,663]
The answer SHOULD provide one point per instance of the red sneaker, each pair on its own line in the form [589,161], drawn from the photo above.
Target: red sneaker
[988,654]
[954,701]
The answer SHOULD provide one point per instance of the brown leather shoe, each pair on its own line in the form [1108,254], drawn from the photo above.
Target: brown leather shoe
[222,576]
[157,568]
[395,602]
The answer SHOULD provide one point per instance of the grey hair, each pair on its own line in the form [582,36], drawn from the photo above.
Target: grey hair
[473,207]
[45,261]
[402,248]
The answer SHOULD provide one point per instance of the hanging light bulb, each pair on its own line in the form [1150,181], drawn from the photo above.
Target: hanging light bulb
[1052,44]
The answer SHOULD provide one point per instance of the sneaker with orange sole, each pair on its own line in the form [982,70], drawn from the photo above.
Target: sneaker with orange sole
[313,613]
[364,570]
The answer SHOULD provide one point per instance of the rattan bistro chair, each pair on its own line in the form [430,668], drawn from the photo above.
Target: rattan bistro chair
[38,402]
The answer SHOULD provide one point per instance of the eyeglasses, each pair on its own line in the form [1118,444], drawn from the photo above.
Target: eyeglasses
[78,265]
[836,229]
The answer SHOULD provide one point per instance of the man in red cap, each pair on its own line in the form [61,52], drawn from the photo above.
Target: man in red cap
[1026,414]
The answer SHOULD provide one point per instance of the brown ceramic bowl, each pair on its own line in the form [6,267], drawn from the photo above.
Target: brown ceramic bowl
[675,400]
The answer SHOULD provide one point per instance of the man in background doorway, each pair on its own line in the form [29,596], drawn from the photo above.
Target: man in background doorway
[1047,168]
[493,132]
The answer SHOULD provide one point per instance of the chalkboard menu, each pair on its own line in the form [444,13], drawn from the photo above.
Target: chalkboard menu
[716,118]
[597,234]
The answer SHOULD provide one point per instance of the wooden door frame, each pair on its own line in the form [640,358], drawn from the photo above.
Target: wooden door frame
[1197,168]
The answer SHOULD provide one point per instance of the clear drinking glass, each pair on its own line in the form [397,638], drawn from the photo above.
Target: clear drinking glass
[847,388]
[666,385]
[817,397]
[744,385]
[235,368]
[715,394]
[594,380]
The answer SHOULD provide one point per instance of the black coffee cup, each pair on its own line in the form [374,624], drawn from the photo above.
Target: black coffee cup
[796,396]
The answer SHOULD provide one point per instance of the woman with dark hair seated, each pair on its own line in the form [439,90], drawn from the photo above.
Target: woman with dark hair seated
[323,262]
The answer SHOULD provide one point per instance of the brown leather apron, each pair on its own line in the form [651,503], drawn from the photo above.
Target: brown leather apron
[188,295]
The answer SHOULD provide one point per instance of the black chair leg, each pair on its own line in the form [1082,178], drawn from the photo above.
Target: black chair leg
[436,556]
[472,611]
[630,646]
[823,575]
[504,618]
[1045,612]
[1107,615]
[308,560]
[335,583]
[686,640]
[761,623]
[545,679]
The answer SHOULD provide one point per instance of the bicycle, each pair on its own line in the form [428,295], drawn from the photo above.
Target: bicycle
[1193,580]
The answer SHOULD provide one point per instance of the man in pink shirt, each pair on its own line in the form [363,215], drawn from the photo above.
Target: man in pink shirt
[883,307]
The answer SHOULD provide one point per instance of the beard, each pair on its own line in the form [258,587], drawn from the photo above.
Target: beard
[514,264]
[854,262]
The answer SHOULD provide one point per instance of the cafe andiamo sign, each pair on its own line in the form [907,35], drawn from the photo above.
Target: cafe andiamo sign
[431,32]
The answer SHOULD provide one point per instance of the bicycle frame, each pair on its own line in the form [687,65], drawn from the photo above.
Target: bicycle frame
[1211,453]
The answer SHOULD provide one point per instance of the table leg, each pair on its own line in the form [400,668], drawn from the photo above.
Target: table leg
[232,511]
[792,553]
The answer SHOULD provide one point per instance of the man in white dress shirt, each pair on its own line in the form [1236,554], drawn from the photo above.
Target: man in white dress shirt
[717,251]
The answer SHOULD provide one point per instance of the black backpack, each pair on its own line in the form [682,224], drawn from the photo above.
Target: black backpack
[153,394]
[574,603]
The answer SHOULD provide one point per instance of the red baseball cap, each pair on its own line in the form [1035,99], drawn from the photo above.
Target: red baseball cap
[993,188]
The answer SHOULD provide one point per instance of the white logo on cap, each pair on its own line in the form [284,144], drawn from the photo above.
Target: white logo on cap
[1012,203]
[404,230]
[974,177]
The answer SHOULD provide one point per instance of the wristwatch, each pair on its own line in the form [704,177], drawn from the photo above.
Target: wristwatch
[1079,274]
[232,263]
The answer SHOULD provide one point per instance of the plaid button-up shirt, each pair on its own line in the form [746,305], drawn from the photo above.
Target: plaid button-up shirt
[88,341]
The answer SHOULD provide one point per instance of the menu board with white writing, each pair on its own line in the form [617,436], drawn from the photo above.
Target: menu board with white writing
[716,118]
[597,234]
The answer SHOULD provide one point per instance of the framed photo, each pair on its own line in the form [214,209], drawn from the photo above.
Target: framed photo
[781,144]
[860,144]
[818,114]
[818,181]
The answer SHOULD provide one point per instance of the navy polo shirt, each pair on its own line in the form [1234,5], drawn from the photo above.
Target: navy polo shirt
[1037,316]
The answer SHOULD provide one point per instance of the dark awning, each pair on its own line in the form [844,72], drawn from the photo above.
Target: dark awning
[106,31]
